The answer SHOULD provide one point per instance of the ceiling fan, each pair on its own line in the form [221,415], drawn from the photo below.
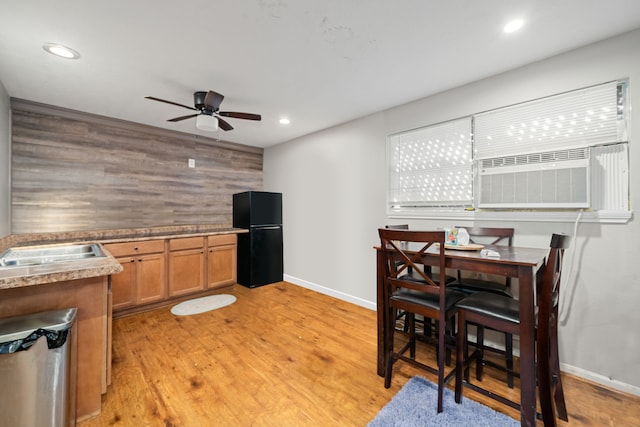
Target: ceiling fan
[209,116]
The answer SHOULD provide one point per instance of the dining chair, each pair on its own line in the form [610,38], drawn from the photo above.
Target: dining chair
[493,236]
[502,314]
[428,297]
[500,286]
[401,315]
[426,323]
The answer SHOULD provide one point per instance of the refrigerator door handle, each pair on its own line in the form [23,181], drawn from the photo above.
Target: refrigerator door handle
[275,227]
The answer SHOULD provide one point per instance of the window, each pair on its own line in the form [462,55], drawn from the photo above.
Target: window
[431,166]
[564,152]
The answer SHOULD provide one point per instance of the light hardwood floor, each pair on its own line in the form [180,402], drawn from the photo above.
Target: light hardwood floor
[280,356]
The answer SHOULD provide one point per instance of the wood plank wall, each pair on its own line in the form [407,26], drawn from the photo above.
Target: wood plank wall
[74,171]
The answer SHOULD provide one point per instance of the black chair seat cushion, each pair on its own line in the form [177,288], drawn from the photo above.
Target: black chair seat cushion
[425,299]
[470,286]
[492,305]
[416,277]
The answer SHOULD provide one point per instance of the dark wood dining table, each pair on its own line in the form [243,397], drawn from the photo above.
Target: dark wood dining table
[525,264]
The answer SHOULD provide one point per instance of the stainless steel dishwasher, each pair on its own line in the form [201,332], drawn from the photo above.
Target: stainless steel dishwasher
[37,376]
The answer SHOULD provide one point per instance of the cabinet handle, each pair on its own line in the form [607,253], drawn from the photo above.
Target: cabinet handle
[140,260]
[135,248]
[133,260]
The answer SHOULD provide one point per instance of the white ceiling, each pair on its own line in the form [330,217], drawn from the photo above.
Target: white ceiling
[318,62]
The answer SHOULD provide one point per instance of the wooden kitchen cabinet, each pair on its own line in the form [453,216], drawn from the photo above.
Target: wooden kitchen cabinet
[123,285]
[157,272]
[186,265]
[143,278]
[221,260]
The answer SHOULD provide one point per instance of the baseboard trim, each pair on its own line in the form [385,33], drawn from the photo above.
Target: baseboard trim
[600,379]
[331,292]
[569,369]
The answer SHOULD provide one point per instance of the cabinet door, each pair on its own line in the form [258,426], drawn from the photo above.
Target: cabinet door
[221,263]
[150,278]
[186,271]
[123,285]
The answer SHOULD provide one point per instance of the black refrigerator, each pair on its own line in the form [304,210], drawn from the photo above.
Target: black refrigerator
[259,250]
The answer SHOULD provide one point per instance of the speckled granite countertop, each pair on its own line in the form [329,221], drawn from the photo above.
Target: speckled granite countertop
[117,235]
[15,277]
[18,277]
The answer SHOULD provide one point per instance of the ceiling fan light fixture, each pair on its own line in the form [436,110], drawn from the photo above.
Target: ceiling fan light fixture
[207,123]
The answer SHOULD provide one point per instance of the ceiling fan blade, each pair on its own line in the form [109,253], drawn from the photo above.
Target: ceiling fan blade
[224,125]
[246,116]
[169,102]
[213,100]
[177,119]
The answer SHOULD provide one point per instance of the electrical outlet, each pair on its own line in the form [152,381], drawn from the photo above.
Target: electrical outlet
[192,163]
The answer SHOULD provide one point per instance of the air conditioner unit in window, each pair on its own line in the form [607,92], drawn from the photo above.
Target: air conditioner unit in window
[557,179]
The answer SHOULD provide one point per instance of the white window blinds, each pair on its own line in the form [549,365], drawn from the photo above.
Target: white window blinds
[431,166]
[552,155]
[580,118]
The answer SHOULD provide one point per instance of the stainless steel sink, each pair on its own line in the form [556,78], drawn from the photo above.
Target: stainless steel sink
[21,257]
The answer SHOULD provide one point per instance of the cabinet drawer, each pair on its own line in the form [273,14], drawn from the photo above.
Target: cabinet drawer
[186,243]
[222,239]
[132,248]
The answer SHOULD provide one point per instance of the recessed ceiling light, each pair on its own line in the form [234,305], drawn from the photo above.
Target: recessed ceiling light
[284,121]
[60,50]
[514,25]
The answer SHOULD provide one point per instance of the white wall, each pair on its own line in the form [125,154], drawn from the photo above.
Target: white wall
[333,185]
[5,163]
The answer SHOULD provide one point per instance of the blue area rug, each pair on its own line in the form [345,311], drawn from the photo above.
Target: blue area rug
[415,405]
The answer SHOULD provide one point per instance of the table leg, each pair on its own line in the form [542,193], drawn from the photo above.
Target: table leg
[526,282]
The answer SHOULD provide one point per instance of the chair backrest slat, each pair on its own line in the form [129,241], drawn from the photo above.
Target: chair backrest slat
[404,249]
[401,227]
[397,226]
[548,297]
[500,235]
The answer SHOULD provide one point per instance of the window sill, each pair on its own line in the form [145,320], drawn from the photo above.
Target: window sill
[602,217]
